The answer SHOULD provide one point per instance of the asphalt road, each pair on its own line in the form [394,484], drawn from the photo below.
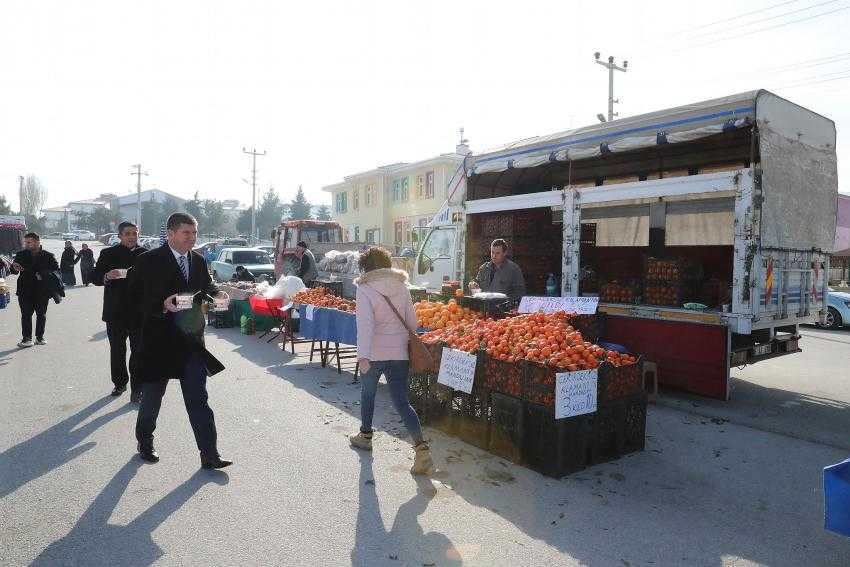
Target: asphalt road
[704,492]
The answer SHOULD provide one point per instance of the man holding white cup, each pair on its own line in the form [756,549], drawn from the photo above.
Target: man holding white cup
[119,312]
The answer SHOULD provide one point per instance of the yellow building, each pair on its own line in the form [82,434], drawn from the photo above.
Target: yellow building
[390,205]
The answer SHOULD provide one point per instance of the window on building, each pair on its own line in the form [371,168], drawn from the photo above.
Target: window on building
[373,236]
[407,237]
[356,230]
[405,189]
[371,195]
[420,186]
[429,185]
[341,202]
[399,229]
[355,201]
[396,189]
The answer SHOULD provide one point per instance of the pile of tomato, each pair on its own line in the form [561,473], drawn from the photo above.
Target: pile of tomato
[321,297]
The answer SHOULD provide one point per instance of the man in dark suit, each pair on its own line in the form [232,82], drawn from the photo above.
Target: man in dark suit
[172,339]
[119,313]
[35,266]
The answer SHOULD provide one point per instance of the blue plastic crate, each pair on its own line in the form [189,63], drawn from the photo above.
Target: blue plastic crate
[836,494]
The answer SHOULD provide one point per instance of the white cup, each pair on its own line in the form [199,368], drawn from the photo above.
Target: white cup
[183,301]
[122,272]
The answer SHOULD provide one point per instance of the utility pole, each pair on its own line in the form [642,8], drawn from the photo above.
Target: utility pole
[138,173]
[253,153]
[611,66]
[21,195]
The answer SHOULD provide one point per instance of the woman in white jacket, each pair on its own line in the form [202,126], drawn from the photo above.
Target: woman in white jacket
[382,348]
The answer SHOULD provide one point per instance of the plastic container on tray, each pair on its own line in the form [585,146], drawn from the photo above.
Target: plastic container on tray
[507,432]
[555,447]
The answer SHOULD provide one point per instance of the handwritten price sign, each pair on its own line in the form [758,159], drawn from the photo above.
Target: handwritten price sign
[580,305]
[457,369]
[575,393]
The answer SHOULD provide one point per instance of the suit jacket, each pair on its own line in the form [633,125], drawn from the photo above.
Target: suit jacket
[168,339]
[35,280]
[117,308]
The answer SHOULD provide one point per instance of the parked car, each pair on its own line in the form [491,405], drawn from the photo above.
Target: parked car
[209,251]
[269,250]
[104,238]
[113,240]
[149,242]
[254,260]
[234,242]
[838,310]
[70,236]
[84,234]
[56,235]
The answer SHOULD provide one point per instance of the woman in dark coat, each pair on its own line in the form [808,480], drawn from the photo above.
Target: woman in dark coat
[86,259]
[66,264]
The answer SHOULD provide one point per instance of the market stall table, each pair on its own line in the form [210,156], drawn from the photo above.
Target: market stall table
[329,326]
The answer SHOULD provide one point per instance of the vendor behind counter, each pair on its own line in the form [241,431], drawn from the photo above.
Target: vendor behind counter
[500,275]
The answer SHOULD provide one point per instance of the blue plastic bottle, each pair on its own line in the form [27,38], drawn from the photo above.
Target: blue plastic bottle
[551,286]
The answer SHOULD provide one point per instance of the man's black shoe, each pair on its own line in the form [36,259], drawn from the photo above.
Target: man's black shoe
[148,454]
[217,463]
[135,397]
[117,391]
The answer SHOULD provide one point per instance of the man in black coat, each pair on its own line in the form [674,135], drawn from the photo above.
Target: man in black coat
[172,339]
[119,313]
[36,267]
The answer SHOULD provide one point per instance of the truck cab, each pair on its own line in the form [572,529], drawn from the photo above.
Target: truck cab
[320,236]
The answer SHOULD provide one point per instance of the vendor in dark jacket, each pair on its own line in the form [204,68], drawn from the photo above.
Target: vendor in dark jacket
[243,274]
[36,283]
[307,270]
[119,311]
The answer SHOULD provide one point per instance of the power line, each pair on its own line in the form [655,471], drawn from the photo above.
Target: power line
[818,82]
[777,26]
[782,15]
[732,18]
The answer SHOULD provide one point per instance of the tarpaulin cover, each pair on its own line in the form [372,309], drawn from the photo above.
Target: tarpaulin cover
[328,325]
[683,123]
[836,494]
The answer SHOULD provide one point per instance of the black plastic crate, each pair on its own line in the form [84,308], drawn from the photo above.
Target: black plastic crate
[617,382]
[469,417]
[508,378]
[591,327]
[507,431]
[607,434]
[619,428]
[556,447]
[634,426]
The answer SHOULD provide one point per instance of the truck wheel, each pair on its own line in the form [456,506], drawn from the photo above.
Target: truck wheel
[832,319]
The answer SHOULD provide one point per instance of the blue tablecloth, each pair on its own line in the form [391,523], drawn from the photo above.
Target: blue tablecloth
[328,325]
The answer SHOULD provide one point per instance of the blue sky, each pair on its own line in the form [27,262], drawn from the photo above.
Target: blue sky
[333,88]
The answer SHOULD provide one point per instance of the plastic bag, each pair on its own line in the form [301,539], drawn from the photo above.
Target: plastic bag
[285,288]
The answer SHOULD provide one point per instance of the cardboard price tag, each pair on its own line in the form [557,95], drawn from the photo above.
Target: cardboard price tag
[570,304]
[457,369]
[575,393]
[309,312]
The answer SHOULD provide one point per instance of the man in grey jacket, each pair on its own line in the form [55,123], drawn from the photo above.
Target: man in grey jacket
[500,275]
[307,271]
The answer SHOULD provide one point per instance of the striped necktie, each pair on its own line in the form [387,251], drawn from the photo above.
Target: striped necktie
[184,268]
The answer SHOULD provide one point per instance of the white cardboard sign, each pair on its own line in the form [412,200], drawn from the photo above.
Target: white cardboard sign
[575,393]
[457,369]
[309,312]
[570,304]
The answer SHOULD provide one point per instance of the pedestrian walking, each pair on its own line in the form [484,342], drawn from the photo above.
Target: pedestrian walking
[86,258]
[382,340]
[119,312]
[37,283]
[172,339]
[66,264]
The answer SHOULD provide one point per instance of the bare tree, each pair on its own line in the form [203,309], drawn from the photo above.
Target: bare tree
[33,197]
